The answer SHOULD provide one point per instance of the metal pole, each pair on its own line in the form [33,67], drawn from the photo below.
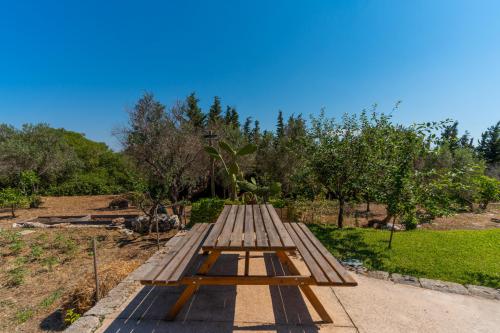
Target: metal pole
[94,249]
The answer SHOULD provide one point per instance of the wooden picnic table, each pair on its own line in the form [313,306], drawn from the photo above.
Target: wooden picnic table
[249,228]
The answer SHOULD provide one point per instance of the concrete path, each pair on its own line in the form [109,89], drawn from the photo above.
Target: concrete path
[373,306]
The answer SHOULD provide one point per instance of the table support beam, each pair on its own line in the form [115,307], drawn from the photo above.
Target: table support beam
[306,289]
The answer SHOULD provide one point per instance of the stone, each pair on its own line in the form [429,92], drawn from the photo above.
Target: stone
[378,275]
[397,227]
[485,292]
[26,232]
[405,279]
[29,225]
[85,324]
[118,221]
[449,287]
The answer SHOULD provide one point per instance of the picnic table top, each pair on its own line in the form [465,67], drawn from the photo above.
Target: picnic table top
[248,228]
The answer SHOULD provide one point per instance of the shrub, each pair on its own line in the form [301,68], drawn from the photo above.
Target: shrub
[16,276]
[12,198]
[24,315]
[35,201]
[85,184]
[71,316]
[489,191]
[206,210]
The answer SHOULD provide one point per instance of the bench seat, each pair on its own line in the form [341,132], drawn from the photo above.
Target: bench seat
[324,268]
[171,268]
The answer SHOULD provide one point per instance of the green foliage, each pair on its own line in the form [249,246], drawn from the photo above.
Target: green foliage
[66,245]
[206,210]
[489,190]
[36,252]
[463,256]
[85,184]
[16,276]
[24,315]
[71,316]
[260,192]
[231,164]
[12,198]
[49,300]
[50,262]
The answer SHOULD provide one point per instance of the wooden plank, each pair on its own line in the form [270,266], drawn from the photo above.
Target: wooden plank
[225,235]
[272,234]
[285,237]
[216,230]
[317,256]
[239,223]
[194,237]
[315,270]
[249,227]
[224,280]
[163,262]
[341,271]
[260,231]
[190,256]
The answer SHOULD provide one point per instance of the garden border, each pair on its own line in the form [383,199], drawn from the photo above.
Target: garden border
[443,286]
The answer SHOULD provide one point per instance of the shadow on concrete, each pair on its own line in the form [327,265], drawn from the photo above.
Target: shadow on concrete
[212,308]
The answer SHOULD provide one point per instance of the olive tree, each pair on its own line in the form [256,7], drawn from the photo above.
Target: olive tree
[167,150]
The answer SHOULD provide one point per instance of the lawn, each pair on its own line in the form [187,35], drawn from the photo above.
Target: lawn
[463,256]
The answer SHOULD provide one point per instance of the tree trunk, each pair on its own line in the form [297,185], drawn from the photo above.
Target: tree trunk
[392,231]
[340,221]
[13,211]
[367,205]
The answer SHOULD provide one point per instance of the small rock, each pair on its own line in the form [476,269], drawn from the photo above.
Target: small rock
[485,292]
[29,225]
[84,324]
[27,232]
[378,275]
[352,263]
[118,221]
[450,287]
[125,231]
[405,279]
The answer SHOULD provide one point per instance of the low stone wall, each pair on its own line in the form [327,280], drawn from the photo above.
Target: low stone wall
[443,286]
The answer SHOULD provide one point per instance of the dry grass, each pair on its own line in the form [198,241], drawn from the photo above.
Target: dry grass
[82,297]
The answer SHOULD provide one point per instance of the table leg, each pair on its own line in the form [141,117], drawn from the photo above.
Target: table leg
[306,289]
[247,262]
[190,290]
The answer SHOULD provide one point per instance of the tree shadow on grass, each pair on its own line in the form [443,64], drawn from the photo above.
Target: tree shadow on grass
[349,243]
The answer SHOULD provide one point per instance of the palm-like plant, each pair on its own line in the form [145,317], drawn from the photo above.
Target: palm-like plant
[231,165]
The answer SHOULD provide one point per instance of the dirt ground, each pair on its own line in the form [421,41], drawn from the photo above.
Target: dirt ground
[77,205]
[40,268]
[358,217]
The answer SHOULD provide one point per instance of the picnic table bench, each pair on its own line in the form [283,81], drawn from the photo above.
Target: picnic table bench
[248,228]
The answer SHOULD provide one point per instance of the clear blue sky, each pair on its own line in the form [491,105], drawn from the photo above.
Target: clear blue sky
[81,64]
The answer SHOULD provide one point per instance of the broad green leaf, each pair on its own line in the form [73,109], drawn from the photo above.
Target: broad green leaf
[248,149]
[227,148]
[212,152]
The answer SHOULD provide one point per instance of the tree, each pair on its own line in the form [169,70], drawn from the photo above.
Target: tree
[231,117]
[488,191]
[280,126]
[12,198]
[246,128]
[231,166]
[214,114]
[336,156]
[166,149]
[193,111]
[256,132]
[489,145]
[450,137]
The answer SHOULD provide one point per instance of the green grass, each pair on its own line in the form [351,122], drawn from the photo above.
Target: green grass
[463,256]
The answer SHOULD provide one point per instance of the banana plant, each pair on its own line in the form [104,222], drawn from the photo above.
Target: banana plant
[231,165]
[261,192]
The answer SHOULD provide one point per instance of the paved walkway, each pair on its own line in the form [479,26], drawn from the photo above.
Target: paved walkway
[373,306]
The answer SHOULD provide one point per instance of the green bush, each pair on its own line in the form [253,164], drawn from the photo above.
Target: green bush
[206,210]
[85,184]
